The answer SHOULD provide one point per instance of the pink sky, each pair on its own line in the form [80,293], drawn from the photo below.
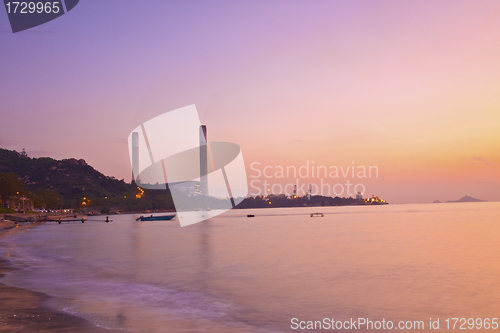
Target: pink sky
[410,87]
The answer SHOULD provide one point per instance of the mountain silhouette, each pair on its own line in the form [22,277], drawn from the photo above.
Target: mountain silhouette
[71,178]
[467,199]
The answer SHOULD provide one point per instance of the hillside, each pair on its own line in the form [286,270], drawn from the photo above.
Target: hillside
[65,183]
[71,178]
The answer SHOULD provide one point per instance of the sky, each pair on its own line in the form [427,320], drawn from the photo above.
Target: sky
[412,88]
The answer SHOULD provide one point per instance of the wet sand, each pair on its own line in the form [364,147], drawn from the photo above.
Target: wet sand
[24,311]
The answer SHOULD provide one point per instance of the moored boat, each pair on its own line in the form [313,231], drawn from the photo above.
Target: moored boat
[155,218]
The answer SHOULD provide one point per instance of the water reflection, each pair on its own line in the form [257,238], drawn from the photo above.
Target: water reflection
[138,250]
[204,234]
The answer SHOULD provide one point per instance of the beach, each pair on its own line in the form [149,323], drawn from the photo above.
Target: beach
[23,310]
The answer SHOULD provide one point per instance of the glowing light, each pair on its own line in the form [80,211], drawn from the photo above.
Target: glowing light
[140,194]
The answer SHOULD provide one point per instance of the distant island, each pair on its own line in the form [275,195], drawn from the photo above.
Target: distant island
[282,200]
[436,201]
[467,199]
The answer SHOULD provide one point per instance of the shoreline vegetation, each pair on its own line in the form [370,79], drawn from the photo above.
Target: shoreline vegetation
[70,185]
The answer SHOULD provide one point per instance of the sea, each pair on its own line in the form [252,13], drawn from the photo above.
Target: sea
[416,267]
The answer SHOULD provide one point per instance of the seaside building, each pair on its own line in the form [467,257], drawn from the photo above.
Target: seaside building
[203,160]
[19,203]
[374,200]
[188,187]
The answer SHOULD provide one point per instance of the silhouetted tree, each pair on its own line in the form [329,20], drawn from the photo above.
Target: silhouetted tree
[48,198]
[10,185]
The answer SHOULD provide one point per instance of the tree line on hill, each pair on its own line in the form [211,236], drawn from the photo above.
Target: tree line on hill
[73,184]
[70,183]
[283,200]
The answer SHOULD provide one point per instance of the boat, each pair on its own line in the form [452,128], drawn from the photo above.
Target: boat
[155,218]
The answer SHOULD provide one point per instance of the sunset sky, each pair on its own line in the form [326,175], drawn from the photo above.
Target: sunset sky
[411,87]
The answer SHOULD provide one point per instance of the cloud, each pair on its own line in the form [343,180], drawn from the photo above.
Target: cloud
[482,160]
[38,153]
[122,140]
[4,143]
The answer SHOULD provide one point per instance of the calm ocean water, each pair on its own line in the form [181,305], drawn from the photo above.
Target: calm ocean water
[239,274]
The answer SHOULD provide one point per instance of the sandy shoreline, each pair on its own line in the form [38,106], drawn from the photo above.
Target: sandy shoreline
[23,310]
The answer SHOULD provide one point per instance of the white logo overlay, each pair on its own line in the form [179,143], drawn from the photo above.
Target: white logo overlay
[171,150]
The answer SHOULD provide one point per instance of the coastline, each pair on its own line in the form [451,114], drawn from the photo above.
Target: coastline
[23,310]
